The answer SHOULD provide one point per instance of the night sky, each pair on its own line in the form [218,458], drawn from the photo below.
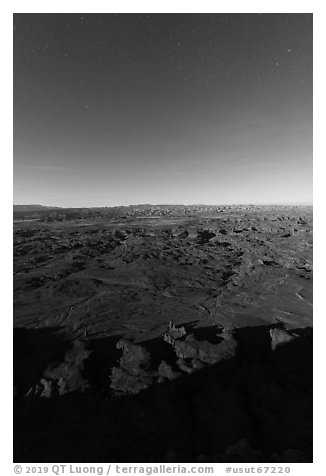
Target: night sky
[117,109]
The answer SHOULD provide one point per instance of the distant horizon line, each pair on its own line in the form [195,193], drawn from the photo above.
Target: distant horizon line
[170,204]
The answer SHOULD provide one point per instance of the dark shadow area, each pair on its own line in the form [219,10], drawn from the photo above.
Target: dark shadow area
[160,350]
[254,344]
[204,236]
[104,356]
[33,351]
[262,396]
[208,334]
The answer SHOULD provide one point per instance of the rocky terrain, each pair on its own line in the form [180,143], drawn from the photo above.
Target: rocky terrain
[163,333]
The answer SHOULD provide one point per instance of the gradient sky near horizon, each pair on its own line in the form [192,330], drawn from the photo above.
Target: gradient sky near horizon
[118,109]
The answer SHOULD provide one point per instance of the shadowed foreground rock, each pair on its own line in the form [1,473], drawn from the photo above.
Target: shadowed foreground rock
[133,373]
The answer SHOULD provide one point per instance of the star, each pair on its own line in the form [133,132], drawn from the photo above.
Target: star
[186,82]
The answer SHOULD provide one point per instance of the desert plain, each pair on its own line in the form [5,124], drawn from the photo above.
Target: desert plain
[163,334]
